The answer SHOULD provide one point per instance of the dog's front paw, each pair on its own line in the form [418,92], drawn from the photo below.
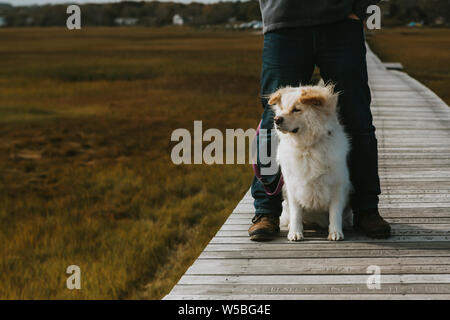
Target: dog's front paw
[295,236]
[336,235]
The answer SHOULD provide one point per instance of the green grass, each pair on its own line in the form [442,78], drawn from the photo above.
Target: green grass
[86,176]
[424,53]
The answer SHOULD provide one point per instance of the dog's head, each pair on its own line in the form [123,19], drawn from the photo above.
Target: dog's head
[303,110]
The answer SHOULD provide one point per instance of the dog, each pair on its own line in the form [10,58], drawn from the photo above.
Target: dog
[312,153]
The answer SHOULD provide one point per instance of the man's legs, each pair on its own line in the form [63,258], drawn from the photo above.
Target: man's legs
[287,61]
[342,59]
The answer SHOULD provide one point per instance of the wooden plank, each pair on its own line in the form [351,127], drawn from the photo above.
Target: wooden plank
[426,218]
[349,234]
[245,219]
[327,245]
[397,226]
[441,191]
[413,150]
[312,297]
[400,102]
[437,212]
[336,289]
[320,254]
[314,279]
[308,266]
[392,196]
[247,208]
[360,239]
[390,199]
[232,221]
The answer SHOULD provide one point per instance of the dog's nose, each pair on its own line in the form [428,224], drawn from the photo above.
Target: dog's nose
[278,120]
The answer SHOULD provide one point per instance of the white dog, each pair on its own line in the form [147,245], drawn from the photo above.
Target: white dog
[312,153]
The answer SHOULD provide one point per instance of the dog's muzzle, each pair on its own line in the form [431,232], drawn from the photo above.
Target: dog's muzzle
[280,128]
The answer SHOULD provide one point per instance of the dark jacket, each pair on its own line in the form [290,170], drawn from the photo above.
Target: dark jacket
[278,14]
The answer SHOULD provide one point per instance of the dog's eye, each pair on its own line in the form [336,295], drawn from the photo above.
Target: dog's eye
[296,110]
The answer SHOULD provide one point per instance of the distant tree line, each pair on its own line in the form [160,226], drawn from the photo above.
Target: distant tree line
[155,13]
[152,13]
[399,12]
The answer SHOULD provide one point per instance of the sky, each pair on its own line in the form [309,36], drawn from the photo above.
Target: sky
[31,2]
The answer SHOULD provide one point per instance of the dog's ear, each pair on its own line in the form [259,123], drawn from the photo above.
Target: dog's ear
[312,97]
[274,98]
[323,99]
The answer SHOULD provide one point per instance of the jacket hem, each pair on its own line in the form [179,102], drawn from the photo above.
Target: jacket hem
[302,23]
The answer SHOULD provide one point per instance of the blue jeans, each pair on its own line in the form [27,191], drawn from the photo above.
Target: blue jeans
[338,49]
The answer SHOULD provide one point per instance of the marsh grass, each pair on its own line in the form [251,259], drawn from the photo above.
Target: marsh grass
[86,176]
[424,53]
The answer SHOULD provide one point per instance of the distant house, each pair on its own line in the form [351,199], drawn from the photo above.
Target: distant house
[439,20]
[2,22]
[4,5]
[177,20]
[255,24]
[415,24]
[126,21]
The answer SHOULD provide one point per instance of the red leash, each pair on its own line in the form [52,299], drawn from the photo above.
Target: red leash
[259,177]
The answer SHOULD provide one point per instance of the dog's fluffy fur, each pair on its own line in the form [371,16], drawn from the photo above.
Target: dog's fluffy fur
[312,153]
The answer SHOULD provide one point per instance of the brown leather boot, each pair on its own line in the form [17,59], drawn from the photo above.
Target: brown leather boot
[264,228]
[371,224]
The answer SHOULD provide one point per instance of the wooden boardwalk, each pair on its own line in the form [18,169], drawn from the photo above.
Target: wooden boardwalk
[413,131]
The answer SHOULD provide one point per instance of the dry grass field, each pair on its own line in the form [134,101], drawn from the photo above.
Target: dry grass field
[424,52]
[86,176]
[85,170]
